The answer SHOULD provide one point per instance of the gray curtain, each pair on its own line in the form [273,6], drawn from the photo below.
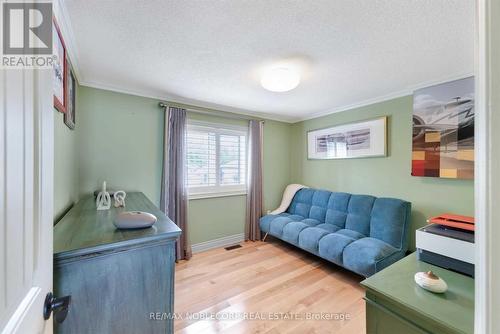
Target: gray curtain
[173,200]
[254,183]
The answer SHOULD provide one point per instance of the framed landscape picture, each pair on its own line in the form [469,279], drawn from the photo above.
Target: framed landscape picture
[60,69]
[443,130]
[354,140]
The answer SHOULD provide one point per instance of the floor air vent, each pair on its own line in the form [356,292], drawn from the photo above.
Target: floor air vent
[232,247]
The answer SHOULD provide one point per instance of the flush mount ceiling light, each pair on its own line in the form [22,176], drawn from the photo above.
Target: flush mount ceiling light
[280,79]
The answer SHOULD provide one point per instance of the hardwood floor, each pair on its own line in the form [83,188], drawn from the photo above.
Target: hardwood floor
[258,289]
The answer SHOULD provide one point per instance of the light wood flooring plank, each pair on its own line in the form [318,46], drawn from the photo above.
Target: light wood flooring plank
[275,284]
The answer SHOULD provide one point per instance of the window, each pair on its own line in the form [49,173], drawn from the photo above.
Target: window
[216,159]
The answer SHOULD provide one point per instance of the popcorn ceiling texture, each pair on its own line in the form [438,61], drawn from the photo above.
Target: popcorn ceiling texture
[210,52]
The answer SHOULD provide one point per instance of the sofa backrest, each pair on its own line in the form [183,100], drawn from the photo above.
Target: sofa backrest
[386,219]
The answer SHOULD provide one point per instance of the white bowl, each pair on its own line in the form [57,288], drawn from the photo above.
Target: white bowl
[134,219]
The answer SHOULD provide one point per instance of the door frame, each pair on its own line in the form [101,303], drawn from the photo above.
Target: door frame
[487,167]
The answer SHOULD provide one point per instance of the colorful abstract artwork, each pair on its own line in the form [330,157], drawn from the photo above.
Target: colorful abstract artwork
[443,130]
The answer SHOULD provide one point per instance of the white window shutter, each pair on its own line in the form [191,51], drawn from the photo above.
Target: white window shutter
[216,159]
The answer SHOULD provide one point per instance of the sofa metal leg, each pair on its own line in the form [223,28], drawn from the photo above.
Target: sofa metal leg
[265,235]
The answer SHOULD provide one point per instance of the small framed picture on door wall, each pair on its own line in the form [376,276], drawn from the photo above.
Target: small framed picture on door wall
[69,115]
[60,69]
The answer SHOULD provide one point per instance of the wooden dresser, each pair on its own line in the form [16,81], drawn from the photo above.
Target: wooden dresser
[395,304]
[116,278]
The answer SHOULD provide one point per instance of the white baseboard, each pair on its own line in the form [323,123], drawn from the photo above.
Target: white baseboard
[217,243]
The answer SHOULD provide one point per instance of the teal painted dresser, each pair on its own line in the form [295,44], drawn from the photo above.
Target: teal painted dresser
[396,305]
[116,278]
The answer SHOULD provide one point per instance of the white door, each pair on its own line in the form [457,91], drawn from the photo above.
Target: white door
[26,191]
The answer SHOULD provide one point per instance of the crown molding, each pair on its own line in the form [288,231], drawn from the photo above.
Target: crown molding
[404,92]
[194,103]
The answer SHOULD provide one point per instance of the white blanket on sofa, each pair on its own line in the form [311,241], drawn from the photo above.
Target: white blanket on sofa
[288,194]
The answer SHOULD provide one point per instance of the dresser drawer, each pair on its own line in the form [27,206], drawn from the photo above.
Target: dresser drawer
[118,292]
[381,320]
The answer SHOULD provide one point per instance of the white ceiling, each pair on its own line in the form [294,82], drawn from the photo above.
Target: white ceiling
[210,53]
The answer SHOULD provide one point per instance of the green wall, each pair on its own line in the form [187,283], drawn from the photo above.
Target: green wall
[65,166]
[386,176]
[120,139]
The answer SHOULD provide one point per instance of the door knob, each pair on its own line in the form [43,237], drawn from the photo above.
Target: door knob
[60,307]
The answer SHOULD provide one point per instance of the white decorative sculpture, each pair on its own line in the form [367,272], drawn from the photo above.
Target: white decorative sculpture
[120,198]
[103,201]
[429,281]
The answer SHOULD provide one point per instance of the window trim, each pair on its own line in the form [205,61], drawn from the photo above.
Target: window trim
[203,195]
[201,192]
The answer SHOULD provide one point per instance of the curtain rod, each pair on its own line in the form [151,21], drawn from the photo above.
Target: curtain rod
[207,111]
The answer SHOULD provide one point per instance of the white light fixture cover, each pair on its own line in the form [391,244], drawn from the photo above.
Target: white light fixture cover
[280,79]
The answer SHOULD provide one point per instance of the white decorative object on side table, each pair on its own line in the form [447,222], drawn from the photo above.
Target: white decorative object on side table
[429,281]
[120,198]
[103,201]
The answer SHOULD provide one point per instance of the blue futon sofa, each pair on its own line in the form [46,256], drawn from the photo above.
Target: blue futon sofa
[362,233]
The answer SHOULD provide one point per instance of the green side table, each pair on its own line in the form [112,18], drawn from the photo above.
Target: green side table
[395,304]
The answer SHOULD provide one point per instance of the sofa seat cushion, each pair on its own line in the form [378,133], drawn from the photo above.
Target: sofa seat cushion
[295,218]
[363,255]
[276,226]
[311,222]
[309,238]
[351,234]
[329,227]
[266,220]
[291,231]
[331,247]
